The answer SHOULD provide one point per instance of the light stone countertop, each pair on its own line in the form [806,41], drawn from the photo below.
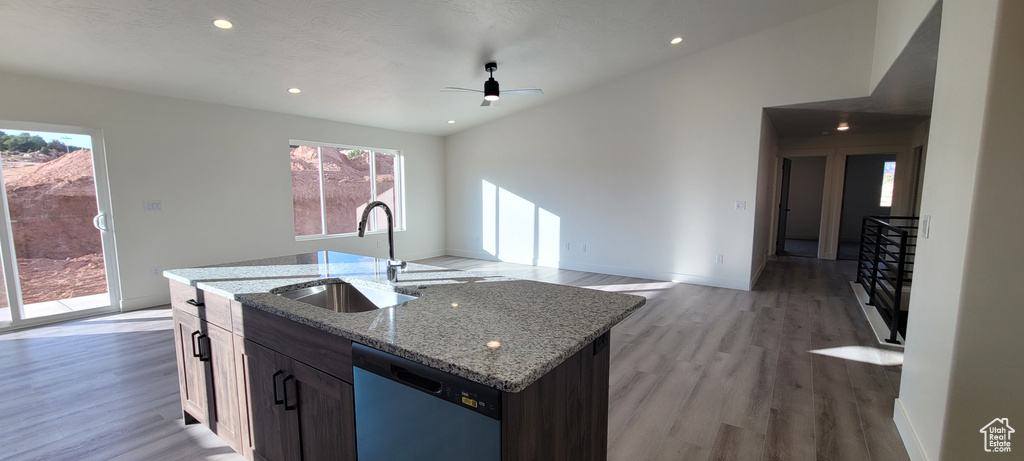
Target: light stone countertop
[448,327]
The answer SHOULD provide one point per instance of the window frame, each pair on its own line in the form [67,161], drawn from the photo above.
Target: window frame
[398,212]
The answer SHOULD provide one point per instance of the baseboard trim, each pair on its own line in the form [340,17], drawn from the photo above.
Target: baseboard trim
[757,273]
[913,445]
[878,326]
[624,271]
[423,255]
[145,302]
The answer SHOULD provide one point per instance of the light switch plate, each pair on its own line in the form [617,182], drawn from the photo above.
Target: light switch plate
[924,227]
[741,205]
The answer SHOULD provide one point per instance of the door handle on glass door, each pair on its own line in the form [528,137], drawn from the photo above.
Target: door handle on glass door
[100,222]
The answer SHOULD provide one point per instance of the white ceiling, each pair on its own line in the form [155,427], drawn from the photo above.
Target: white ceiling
[379,63]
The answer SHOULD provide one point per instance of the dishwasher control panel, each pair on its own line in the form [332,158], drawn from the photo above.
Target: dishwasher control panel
[455,389]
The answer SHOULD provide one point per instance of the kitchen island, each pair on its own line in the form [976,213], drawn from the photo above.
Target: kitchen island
[267,372]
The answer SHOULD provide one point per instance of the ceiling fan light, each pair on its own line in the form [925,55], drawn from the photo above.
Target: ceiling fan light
[491,89]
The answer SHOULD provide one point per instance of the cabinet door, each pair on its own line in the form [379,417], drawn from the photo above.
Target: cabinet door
[219,350]
[296,411]
[326,412]
[273,424]
[193,377]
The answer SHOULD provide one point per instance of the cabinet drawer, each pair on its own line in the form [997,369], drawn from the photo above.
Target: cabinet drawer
[320,349]
[209,307]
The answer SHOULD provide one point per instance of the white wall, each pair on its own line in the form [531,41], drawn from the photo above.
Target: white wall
[646,169]
[806,185]
[897,20]
[965,308]
[764,208]
[987,376]
[222,174]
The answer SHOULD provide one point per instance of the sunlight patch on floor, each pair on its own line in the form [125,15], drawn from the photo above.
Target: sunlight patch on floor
[872,355]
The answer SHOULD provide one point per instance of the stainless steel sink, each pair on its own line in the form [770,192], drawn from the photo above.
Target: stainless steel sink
[345,297]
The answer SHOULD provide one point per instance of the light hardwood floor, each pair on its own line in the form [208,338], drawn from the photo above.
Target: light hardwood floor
[788,371]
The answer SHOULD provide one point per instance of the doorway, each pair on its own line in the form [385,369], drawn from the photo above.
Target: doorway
[57,244]
[803,185]
[867,191]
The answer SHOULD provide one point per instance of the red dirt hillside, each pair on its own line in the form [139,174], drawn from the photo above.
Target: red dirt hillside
[52,204]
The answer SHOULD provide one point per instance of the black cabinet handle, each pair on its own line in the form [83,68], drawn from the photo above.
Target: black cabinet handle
[284,384]
[204,357]
[277,401]
[195,303]
[196,352]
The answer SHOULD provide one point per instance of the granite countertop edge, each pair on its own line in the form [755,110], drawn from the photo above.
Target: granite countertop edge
[505,385]
[515,369]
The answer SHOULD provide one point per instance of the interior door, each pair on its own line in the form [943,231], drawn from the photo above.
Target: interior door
[57,240]
[780,237]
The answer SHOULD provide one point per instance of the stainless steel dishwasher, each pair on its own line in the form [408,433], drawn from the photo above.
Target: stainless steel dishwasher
[408,411]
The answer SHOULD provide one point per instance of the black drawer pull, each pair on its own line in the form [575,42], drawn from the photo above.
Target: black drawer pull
[277,401]
[195,303]
[196,352]
[204,357]
[284,384]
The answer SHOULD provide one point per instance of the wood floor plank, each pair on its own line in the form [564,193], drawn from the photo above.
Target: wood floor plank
[736,443]
[790,437]
[837,430]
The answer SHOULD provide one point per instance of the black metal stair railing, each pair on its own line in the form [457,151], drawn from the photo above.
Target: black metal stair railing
[885,267]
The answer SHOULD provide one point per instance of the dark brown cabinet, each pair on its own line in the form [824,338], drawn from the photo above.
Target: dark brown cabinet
[296,411]
[278,390]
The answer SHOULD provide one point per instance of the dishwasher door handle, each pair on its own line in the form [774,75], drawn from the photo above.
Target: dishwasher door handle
[412,379]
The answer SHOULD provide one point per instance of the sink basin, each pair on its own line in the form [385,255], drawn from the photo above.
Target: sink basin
[345,297]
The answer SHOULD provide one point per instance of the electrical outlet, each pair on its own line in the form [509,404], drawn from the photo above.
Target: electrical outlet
[568,247]
[719,259]
[583,247]
[154,271]
[154,206]
[741,205]
[379,244]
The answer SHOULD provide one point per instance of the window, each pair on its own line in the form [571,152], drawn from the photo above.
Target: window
[331,186]
[888,181]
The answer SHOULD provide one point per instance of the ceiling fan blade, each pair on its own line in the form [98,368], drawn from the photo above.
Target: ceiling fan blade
[485,103]
[455,88]
[523,91]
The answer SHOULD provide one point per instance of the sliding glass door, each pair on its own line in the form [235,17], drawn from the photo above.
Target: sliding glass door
[57,241]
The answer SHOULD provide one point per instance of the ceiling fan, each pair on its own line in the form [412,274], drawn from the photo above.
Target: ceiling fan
[491,92]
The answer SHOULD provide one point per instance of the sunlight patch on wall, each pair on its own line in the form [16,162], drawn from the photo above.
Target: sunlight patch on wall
[490,217]
[516,230]
[548,238]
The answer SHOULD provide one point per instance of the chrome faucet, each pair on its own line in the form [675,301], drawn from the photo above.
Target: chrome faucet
[393,264]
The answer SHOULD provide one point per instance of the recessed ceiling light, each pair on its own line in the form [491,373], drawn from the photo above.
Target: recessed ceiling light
[677,40]
[843,126]
[451,121]
[294,90]
[222,23]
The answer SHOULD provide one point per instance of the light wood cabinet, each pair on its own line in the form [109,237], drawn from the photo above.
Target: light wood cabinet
[206,369]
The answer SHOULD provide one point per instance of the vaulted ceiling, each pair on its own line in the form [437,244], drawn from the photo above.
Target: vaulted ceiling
[379,63]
